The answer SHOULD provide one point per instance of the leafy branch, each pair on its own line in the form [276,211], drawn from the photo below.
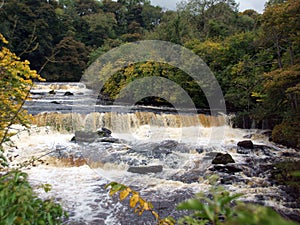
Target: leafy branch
[136,202]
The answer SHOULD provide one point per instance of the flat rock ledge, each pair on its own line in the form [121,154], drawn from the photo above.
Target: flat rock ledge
[145,169]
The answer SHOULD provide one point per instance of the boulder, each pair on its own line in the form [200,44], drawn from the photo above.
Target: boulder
[267,133]
[85,136]
[68,93]
[146,169]
[245,147]
[191,176]
[90,136]
[226,169]
[103,132]
[110,140]
[73,139]
[52,92]
[246,144]
[168,144]
[199,150]
[223,159]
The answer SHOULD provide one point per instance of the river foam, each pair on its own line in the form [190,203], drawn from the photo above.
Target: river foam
[81,190]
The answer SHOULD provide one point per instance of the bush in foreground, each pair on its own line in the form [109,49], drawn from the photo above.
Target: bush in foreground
[20,205]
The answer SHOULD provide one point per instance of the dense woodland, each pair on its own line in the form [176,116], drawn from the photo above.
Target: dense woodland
[255,57]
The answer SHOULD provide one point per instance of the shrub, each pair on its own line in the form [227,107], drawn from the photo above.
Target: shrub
[20,205]
[221,208]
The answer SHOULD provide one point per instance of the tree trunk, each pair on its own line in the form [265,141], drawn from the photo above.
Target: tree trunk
[292,56]
[278,54]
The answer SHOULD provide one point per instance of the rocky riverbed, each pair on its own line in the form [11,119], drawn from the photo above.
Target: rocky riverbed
[165,173]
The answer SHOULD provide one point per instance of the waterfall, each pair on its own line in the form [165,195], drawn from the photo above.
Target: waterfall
[122,122]
[58,86]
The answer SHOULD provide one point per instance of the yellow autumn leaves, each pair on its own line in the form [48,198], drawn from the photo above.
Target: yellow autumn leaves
[16,79]
[136,202]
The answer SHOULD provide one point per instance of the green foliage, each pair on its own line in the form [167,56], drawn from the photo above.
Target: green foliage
[209,209]
[18,202]
[15,82]
[287,173]
[70,61]
[20,205]
[148,69]
[218,207]
[287,133]
[137,202]
[247,214]
[223,209]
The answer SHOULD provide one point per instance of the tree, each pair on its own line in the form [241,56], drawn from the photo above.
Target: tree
[86,7]
[19,204]
[280,24]
[151,16]
[31,26]
[274,2]
[69,62]
[15,83]
[208,16]
[101,26]
[173,27]
[280,37]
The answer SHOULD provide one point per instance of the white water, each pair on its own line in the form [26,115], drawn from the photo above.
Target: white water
[80,188]
[75,187]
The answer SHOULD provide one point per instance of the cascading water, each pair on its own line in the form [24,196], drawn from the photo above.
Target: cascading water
[178,144]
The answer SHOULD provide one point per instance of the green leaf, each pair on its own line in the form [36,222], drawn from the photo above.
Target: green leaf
[227,199]
[210,213]
[110,185]
[191,204]
[114,189]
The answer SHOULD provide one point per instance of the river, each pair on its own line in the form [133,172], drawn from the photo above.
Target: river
[184,145]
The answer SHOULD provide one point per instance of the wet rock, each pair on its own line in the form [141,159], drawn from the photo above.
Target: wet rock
[73,139]
[103,132]
[210,156]
[291,154]
[163,151]
[146,169]
[248,136]
[264,149]
[55,102]
[289,214]
[110,140]
[245,144]
[89,136]
[223,159]
[231,179]
[267,133]
[159,153]
[171,145]
[68,93]
[85,136]
[258,150]
[226,169]
[189,177]
[52,92]
[199,150]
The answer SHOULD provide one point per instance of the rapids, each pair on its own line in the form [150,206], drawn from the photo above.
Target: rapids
[184,145]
